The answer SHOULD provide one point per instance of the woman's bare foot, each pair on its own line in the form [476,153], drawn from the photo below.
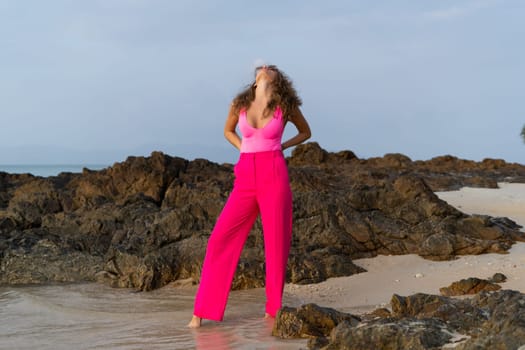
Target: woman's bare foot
[195,322]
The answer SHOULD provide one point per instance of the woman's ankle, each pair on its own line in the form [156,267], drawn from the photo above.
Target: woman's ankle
[195,322]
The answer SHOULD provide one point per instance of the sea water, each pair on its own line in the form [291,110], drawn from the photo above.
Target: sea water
[46,170]
[94,316]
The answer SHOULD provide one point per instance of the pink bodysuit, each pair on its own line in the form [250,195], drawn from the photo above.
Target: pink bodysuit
[267,138]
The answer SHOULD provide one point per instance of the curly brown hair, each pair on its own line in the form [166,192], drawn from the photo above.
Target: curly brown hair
[283,95]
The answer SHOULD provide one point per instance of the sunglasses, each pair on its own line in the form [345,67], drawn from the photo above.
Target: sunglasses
[268,67]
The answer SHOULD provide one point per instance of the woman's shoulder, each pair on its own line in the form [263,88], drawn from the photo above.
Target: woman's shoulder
[237,107]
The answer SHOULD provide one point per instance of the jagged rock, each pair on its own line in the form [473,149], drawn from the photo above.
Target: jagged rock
[491,320]
[149,176]
[498,278]
[35,256]
[505,325]
[308,321]
[470,285]
[305,269]
[312,155]
[344,208]
[384,334]
[459,314]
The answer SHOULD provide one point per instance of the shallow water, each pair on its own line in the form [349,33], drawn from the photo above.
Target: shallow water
[93,316]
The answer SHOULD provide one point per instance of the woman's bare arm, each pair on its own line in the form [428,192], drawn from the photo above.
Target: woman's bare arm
[229,128]
[303,129]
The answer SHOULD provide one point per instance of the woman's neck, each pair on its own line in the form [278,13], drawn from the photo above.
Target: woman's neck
[263,92]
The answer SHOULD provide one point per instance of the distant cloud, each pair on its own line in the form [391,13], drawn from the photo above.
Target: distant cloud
[445,14]
[458,11]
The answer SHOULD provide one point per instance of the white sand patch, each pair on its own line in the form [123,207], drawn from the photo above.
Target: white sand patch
[507,201]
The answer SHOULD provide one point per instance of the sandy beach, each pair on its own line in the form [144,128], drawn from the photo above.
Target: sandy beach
[408,274]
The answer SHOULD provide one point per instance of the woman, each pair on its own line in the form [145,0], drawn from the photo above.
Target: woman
[261,186]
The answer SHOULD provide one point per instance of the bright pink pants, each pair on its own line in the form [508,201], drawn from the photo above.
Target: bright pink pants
[261,186]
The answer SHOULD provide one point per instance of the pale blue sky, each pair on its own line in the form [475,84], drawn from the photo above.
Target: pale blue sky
[96,81]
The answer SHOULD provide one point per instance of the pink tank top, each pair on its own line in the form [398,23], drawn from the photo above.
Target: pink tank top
[267,138]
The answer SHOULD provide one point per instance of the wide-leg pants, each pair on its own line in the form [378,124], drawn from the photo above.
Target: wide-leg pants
[261,186]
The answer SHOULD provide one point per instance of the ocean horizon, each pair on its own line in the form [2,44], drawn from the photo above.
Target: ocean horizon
[46,170]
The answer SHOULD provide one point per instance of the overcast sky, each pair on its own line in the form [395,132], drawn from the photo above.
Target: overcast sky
[97,81]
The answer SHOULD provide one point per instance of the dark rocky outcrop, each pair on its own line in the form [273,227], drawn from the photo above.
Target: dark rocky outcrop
[309,320]
[473,285]
[490,320]
[145,222]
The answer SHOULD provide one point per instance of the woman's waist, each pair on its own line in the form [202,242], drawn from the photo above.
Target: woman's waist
[262,154]
[267,145]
